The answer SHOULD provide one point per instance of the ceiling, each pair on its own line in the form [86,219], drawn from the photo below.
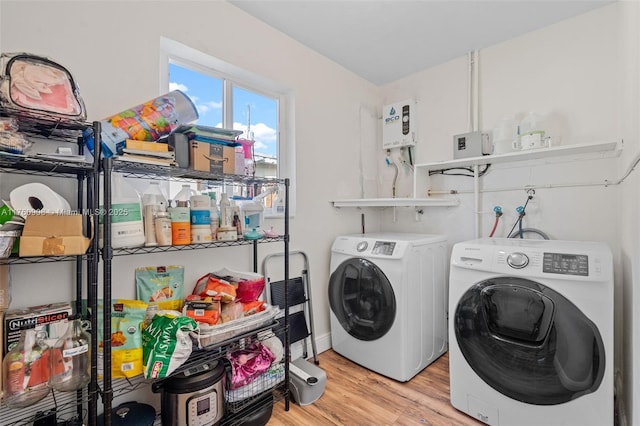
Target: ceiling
[385,40]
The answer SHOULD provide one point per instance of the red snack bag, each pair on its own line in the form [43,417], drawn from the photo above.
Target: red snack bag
[211,286]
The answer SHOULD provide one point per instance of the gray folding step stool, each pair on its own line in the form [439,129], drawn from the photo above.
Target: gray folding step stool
[299,298]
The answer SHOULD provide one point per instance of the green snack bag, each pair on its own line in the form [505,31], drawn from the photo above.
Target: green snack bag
[166,344]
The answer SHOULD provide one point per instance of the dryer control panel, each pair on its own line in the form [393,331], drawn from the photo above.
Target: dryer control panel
[384,248]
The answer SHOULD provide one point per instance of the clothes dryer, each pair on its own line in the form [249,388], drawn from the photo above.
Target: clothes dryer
[388,299]
[531,332]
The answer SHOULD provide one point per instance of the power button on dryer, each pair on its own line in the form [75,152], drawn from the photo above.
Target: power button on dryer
[517,260]
[362,246]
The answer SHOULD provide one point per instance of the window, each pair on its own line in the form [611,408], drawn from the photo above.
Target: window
[232,98]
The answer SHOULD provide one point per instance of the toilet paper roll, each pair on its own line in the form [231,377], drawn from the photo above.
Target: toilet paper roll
[37,197]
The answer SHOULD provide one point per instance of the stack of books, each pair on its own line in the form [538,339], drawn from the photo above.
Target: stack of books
[209,134]
[147,153]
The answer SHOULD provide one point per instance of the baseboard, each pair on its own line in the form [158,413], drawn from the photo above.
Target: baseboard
[323,343]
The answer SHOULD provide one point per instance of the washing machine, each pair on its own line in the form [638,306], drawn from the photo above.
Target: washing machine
[388,299]
[531,332]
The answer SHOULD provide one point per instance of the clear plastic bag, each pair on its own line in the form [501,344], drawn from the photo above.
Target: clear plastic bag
[38,87]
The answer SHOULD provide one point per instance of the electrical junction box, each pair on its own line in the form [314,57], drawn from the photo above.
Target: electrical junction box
[472,144]
[399,124]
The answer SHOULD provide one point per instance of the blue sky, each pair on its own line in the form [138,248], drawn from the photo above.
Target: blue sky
[206,93]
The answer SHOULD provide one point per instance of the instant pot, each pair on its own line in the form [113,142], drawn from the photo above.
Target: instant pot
[194,396]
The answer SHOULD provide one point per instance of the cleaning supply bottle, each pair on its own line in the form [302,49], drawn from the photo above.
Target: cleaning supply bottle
[153,201]
[278,204]
[127,227]
[200,219]
[181,216]
[226,213]
[183,197]
[154,195]
[214,215]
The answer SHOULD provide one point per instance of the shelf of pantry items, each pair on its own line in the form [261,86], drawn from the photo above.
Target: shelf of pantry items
[397,202]
[614,148]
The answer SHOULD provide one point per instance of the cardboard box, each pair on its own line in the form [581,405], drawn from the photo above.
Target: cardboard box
[53,235]
[51,318]
[5,287]
[212,157]
[179,144]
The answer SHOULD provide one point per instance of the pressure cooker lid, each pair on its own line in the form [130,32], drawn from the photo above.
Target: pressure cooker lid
[194,378]
[131,414]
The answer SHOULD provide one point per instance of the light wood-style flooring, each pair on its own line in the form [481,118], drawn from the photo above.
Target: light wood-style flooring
[357,396]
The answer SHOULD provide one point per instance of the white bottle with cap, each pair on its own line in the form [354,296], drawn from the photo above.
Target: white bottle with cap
[226,212]
[214,215]
[153,201]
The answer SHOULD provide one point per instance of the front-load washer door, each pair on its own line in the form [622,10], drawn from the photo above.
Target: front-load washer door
[529,342]
[362,299]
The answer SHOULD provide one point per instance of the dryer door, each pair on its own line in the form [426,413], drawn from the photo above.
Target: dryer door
[362,299]
[529,342]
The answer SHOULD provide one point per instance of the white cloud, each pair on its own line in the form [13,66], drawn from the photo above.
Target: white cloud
[178,86]
[203,107]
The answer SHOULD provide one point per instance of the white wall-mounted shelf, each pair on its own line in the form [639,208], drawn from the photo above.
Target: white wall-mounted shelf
[613,148]
[397,202]
[604,149]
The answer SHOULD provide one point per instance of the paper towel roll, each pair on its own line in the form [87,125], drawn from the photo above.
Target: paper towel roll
[37,197]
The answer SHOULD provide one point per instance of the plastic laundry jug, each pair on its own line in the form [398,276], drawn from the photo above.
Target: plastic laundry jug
[505,136]
[127,227]
[153,195]
[183,197]
[532,132]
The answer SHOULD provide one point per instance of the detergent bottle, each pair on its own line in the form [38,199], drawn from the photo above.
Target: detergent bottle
[127,227]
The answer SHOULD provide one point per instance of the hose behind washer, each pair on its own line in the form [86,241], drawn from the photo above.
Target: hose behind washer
[517,233]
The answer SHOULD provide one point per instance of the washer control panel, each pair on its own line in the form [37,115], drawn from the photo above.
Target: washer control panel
[517,260]
[567,264]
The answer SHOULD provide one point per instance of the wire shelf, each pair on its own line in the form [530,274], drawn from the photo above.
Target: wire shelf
[151,171]
[22,164]
[46,125]
[15,260]
[64,404]
[160,249]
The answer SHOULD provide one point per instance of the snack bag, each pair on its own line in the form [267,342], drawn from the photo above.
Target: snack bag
[127,317]
[206,310]
[166,344]
[162,285]
[209,285]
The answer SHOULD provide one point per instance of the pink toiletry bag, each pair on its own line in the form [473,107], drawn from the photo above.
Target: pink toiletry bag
[38,87]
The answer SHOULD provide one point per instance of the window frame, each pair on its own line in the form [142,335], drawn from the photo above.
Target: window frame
[231,75]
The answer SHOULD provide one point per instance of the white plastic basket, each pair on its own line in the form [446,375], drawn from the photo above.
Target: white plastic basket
[207,335]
